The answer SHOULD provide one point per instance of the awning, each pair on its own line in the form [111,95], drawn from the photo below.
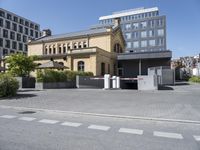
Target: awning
[51,65]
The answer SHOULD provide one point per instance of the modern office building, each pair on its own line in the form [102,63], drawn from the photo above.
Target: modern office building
[144,31]
[15,31]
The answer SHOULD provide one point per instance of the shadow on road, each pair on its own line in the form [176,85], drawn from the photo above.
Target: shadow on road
[165,88]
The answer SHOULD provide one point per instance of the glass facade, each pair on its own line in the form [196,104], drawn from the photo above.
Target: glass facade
[143,32]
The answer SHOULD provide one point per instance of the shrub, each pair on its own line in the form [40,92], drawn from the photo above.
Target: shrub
[59,76]
[8,85]
[195,79]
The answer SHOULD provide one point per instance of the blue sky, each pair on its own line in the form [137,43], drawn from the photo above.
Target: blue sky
[61,16]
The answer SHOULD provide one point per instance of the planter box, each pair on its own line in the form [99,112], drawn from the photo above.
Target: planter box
[55,85]
[26,82]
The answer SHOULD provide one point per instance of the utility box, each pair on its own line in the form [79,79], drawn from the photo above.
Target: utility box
[147,82]
[166,76]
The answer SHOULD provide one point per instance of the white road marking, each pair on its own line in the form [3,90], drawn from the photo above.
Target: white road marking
[27,118]
[131,131]
[197,138]
[168,135]
[98,127]
[71,124]
[48,121]
[8,116]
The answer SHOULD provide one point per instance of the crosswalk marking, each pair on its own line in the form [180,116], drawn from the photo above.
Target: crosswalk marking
[99,127]
[71,124]
[27,118]
[48,121]
[197,138]
[168,135]
[131,131]
[8,116]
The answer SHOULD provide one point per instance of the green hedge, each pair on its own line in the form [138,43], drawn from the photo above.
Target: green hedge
[8,85]
[195,79]
[59,76]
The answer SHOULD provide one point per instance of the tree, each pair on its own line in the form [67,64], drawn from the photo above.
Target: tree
[20,64]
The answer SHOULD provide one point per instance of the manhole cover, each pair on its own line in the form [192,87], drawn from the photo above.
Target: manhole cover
[27,112]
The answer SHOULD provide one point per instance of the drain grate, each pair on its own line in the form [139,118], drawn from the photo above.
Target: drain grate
[27,112]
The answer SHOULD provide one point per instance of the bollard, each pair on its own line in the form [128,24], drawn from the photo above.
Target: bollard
[118,82]
[114,82]
[106,81]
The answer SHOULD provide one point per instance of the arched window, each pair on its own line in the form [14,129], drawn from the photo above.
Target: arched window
[81,66]
[117,48]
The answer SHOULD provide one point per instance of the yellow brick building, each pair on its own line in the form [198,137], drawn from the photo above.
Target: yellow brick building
[94,50]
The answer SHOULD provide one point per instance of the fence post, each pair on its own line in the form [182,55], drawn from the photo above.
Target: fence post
[77,81]
[114,82]
[118,82]
[106,81]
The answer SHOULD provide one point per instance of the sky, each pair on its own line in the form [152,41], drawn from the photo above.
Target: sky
[62,16]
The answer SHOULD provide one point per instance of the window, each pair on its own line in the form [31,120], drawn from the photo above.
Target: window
[160,42]
[46,50]
[160,32]
[7,24]
[135,35]
[79,45]
[12,35]
[27,23]
[151,33]
[84,44]
[135,44]
[102,69]
[21,21]
[20,46]
[74,46]
[81,66]
[26,31]
[1,22]
[1,42]
[9,16]
[14,45]
[12,52]
[54,50]
[128,44]
[25,47]
[36,34]
[5,52]
[144,34]
[135,25]
[36,27]
[160,22]
[128,35]
[117,48]
[68,46]
[32,25]
[31,32]
[59,50]
[2,14]
[143,43]
[14,26]
[152,42]
[24,38]
[18,37]
[151,23]
[143,24]
[64,49]
[20,29]
[15,19]
[5,33]
[7,43]
[128,26]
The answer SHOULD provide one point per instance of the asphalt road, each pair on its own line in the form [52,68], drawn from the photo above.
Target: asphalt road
[50,130]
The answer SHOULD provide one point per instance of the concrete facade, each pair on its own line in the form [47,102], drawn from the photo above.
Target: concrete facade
[15,31]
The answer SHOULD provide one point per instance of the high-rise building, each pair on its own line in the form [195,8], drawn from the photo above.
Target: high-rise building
[15,31]
[143,29]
